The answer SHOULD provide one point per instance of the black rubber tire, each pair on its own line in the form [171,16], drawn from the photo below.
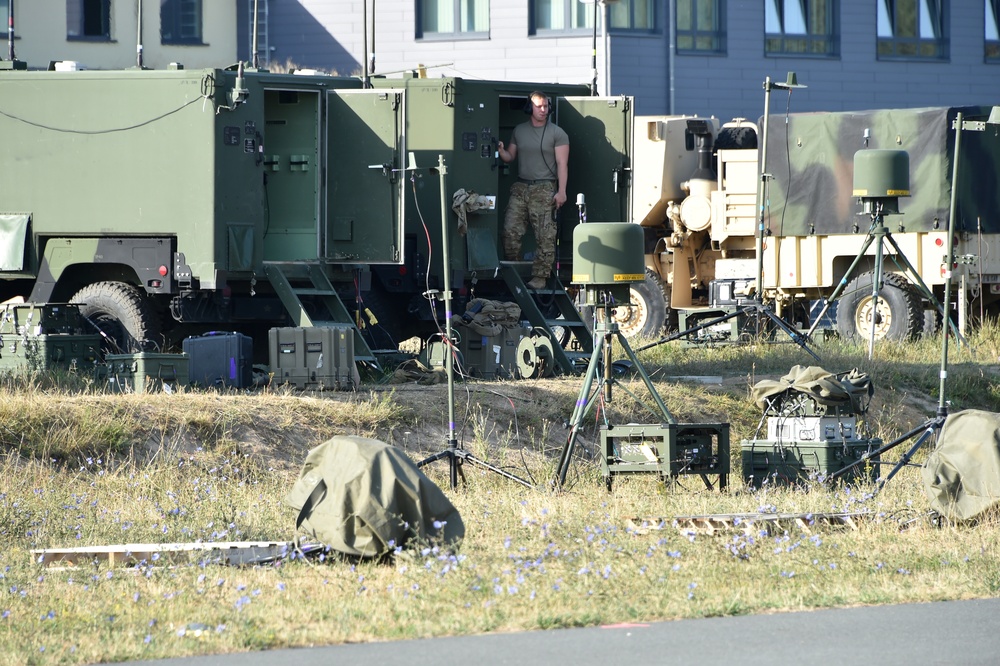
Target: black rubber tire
[900,313]
[122,313]
[646,316]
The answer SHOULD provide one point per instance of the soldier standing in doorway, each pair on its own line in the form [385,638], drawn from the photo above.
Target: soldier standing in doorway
[541,149]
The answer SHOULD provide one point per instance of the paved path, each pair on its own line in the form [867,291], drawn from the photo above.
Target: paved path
[951,632]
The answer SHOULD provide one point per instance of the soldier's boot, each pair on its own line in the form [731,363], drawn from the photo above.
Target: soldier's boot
[536,283]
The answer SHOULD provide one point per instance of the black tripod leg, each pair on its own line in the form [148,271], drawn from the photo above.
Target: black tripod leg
[926,290]
[843,281]
[933,423]
[789,331]
[906,458]
[471,459]
[580,410]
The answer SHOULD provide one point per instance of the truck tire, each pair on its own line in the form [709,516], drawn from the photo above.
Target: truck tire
[122,313]
[646,315]
[900,313]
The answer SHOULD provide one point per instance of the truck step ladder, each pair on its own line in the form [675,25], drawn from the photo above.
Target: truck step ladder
[568,362]
[293,281]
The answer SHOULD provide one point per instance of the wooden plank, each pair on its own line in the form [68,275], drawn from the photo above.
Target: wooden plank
[233,553]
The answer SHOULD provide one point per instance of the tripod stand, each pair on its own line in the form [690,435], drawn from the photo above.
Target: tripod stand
[878,234]
[454,452]
[606,331]
[933,425]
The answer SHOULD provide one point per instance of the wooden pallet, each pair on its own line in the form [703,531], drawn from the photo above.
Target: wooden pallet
[754,522]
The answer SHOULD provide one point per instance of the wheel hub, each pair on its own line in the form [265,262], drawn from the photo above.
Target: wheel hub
[631,318]
[883,317]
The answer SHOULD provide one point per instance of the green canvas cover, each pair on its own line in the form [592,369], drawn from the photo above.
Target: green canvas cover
[811,159]
[962,475]
[847,390]
[362,497]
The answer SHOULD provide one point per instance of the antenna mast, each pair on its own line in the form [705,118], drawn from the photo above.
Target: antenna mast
[254,59]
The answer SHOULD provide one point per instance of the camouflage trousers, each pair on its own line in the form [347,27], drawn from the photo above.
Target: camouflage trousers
[531,204]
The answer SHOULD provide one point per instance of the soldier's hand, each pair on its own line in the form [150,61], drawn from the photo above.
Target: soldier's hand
[559,199]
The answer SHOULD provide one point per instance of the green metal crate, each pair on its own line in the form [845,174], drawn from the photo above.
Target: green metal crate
[666,449]
[146,372]
[795,462]
[40,319]
[38,353]
[318,357]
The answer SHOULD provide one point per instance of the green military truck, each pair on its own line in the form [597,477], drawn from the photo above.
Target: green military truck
[173,202]
[696,195]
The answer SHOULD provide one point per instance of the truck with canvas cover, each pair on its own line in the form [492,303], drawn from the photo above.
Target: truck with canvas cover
[171,203]
[700,225]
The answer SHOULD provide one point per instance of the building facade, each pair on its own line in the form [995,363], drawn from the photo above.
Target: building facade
[106,34]
[707,57]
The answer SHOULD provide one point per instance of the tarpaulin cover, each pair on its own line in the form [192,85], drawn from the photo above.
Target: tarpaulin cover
[362,497]
[849,390]
[962,475]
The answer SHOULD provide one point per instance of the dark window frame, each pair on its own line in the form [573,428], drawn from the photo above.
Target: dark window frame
[94,18]
[652,16]
[535,31]
[715,36]
[914,47]
[173,17]
[422,33]
[991,47]
[814,42]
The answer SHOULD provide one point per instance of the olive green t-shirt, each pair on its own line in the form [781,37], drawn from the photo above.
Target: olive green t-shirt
[536,149]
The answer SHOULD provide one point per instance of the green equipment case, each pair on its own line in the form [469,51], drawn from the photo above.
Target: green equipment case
[146,372]
[790,462]
[38,353]
[316,357]
[667,449]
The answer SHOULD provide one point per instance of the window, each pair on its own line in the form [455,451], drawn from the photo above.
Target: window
[562,16]
[637,15]
[992,34]
[912,29]
[701,26]
[88,19]
[801,27]
[180,22]
[452,17]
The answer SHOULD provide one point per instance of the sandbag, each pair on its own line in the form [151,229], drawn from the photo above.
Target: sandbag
[962,474]
[362,497]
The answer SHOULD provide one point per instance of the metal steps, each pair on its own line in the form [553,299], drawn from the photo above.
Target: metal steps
[293,281]
[568,362]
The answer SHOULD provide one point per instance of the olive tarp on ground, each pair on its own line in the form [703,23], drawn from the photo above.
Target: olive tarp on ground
[362,497]
[962,475]
[847,392]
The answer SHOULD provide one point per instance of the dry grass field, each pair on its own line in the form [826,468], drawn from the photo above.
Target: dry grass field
[85,468]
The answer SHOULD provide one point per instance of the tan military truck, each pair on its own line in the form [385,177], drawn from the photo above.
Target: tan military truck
[696,185]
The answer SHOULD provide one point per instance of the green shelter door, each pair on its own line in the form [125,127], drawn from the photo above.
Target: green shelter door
[600,155]
[290,155]
[365,183]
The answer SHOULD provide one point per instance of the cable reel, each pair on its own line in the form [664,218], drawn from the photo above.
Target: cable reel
[535,355]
